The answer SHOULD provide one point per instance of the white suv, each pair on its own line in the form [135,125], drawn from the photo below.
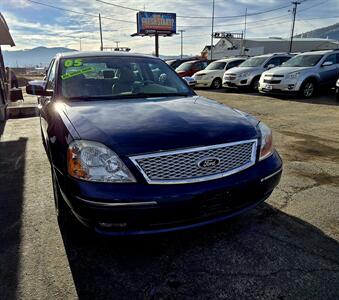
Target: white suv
[248,73]
[303,74]
[212,75]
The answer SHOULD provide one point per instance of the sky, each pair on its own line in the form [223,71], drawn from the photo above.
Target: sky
[32,24]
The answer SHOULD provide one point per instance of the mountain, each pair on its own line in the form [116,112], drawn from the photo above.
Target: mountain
[39,56]
[330,32]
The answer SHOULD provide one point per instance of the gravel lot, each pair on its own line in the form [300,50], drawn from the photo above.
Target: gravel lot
[287,248]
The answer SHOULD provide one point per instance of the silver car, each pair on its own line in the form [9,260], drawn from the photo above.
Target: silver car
[302,74]
[248,73]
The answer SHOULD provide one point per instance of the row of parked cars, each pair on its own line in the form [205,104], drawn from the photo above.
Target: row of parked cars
[277,73]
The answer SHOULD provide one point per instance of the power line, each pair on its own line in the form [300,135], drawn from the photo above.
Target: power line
[78,12]
[201,17]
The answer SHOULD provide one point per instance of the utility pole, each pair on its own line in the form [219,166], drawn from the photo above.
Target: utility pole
[294,13]
[117,43]
[101,42]
[80,43]
[212,30]
[244,34]
[182,42]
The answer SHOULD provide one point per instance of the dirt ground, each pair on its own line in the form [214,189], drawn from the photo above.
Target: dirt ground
[287,248]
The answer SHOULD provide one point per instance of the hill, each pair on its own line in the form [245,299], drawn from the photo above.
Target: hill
[330,32]
[39,56]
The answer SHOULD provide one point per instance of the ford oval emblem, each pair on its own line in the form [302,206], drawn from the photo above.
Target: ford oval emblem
[208,162]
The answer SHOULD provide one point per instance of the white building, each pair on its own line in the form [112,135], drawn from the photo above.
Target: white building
[256,46]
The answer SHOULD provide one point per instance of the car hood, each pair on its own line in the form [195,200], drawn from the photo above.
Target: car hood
[138,126]
[286,70]
[238,70]
[210,72]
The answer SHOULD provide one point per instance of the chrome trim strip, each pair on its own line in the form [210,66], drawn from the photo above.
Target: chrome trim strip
[119,204]
[190,150]
[270,176]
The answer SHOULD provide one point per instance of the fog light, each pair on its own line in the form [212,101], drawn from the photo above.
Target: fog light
[291,86]
[113,225]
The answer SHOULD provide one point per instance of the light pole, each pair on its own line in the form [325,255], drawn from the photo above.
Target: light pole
[212,30]
[295,3]
[101,42]
[182,42]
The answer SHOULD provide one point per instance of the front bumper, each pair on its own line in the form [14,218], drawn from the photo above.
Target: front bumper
[284,87]
[134,209]
[203,82]
[235,82]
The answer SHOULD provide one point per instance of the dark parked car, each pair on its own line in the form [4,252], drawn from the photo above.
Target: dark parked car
[137,151]
[174,63]
[188,68]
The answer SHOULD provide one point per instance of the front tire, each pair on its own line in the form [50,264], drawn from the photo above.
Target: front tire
[255,84]
[61,208]
[216,84]
[307,89]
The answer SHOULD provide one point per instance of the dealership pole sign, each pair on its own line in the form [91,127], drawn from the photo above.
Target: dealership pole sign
[156,24]
[150,23]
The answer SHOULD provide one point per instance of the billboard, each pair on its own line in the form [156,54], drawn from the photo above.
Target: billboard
[156,22]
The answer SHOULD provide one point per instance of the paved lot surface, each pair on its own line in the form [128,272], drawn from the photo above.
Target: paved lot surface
[287,248]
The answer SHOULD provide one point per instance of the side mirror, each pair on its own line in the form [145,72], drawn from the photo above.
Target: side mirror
[327,63]
[270,66]
[37,87]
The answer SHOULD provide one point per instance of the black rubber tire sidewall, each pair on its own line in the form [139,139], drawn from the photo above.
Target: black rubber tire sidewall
[213,83]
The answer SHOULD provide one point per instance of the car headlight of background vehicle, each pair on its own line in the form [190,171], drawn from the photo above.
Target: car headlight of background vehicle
[93,161]
[266,148]
[337,84]
[294,75]
[245,74]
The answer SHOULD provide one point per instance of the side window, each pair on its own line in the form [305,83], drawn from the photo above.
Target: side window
[273,61]
[51,77]
[284,59]
[331,58]
[233,64]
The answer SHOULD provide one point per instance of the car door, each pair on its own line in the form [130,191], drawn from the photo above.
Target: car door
[328,74]
[46,100]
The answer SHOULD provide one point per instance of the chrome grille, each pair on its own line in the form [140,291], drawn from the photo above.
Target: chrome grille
[181,166]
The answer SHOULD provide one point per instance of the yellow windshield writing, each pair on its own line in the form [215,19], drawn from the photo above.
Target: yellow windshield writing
[77,73]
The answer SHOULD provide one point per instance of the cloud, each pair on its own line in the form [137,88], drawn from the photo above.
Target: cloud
[34,25]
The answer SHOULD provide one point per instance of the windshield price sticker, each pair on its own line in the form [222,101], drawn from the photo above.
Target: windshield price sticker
[77,73]
[73,63]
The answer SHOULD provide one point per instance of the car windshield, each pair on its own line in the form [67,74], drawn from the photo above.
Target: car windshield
[110,77]
[303,61]
[185,66]
[216,65]
[254,62]
[171,62]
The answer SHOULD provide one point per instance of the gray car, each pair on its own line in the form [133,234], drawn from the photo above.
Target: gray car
[248,73]
[302,74]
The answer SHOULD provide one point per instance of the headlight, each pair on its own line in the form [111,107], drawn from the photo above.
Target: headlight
[266,148]
[337,84]
[294,75]
[93,161]
[246,74]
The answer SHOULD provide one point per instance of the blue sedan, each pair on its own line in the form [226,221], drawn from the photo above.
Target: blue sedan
[133,150]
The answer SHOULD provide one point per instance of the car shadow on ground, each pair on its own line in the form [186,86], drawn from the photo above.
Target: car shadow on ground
[265,254]
[323,96]
[12,168]
[2,127]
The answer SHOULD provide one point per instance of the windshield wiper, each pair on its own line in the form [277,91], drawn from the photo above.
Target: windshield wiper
[128,96]
[154,95]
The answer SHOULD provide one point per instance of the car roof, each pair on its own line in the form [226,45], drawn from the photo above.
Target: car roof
[83,54]
[231,59]
[321,52]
